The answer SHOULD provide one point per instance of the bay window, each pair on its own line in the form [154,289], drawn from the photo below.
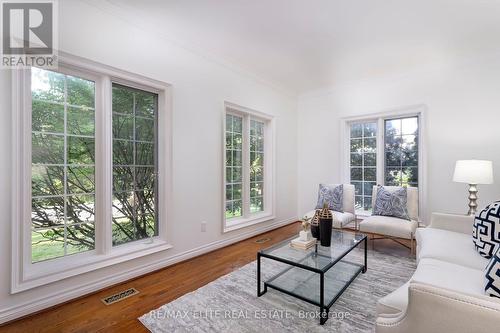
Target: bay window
[88,138]
[248,167]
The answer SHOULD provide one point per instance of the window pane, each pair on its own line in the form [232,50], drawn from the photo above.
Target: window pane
[123,152]
[80,150]
[369,130]
[134,167]
[63,164]
[356,130]
[47,244]
[80,209]
[356,159]
[356,173]
[47,180]
[234,163]
[47,117]
[123,127]
[80,92]
[47,212]
[80,179]
[80,121]
[47,149]
[370,159]
[363,147]
[80,238]
[401,152]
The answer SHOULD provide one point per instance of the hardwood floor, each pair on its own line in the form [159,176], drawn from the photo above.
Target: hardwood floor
[89,314]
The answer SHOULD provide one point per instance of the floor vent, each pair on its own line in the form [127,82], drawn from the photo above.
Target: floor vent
[119,296]
[262,240]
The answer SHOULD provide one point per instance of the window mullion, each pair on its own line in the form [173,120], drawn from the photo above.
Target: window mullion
[246,166]
[104,171]
[380,152]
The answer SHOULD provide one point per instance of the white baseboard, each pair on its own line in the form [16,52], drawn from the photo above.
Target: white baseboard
[20,310]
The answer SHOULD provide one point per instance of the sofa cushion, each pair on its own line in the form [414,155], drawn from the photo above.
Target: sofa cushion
[391,202]
[340,220]
[450,276]
[390,226]
[486,230]
[437,273]
[492,275]
[453,247]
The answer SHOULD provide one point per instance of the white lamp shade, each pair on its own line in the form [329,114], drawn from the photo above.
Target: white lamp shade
[473,172]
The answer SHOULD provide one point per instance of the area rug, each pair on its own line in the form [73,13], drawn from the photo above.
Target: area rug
[230,304]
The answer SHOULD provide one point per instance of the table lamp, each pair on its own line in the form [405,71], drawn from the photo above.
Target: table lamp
[473,172]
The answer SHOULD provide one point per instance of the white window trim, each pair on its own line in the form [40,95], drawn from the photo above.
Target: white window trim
[408,111]
[269,169]
[26,275]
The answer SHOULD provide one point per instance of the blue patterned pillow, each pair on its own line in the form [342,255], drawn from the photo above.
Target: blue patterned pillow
[486,230]
[492,274]
[391,203]
[333,195]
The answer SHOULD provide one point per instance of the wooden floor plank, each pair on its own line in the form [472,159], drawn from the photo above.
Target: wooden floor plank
[89,314]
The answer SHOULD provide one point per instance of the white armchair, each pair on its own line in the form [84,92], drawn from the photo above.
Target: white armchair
[341,219]
[393,227]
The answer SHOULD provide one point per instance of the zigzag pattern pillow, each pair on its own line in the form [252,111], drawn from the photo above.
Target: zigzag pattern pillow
[486,230]
[333,195]
[492,275]
[391,203]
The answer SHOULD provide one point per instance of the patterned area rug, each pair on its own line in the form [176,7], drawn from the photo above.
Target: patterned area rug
[230,304]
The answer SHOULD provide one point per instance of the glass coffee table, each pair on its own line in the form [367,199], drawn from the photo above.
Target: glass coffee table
[318,275]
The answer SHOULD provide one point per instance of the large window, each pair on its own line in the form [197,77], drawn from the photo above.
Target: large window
[382,150]
[247,167]
[91,144]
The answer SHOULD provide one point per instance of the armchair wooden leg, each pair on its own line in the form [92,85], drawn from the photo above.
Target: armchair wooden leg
[412,244]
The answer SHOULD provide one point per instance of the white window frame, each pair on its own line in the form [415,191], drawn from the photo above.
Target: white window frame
[25,274]
[268,214]
[379,118]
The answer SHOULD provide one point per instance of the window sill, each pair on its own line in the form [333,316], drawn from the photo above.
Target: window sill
[43,273]
[235,224]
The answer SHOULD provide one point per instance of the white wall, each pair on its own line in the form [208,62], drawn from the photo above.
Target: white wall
[462,122]
[200,88]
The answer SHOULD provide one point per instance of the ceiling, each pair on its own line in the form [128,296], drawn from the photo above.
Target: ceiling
[304,45]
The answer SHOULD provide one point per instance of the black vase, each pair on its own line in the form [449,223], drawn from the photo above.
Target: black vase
[315,230]
[325,231]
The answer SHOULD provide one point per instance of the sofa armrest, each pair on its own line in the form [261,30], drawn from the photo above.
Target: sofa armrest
[452,222]
[433,309]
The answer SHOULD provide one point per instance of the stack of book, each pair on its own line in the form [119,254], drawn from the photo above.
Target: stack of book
[302,245]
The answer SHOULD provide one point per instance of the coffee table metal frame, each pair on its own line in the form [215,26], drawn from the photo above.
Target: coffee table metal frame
[324,308]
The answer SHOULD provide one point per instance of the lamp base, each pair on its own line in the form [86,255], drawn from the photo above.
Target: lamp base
[472,199]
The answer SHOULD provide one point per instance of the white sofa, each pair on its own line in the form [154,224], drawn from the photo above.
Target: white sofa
[340,220]
[446,292]
[392,226]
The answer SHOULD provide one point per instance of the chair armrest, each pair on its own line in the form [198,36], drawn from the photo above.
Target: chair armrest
[433,309]
[452,222]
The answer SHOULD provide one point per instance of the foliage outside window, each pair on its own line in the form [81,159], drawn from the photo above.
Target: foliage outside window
[401,152]
[363,162]
[63,165]
[256,166]
[134,164]
[246,184]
